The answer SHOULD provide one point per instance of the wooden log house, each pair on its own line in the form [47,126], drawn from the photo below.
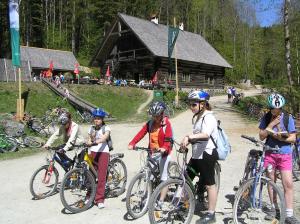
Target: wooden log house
[136,49]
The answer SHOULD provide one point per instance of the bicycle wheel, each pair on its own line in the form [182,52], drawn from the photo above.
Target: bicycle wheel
[42,184]
[138,195]
[252,203]
[116,178]
[177,206]
[78,190]
[296,164]
[32,142]
[169,111]
[8,144]
[87,117]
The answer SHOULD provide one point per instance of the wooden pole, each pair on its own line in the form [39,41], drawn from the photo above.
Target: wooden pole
[20,109]
[176,71]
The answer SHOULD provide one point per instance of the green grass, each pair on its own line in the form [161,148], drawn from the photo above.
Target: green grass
[121,102]
[18,154]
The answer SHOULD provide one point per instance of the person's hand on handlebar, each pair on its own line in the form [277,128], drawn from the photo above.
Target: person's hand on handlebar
[162,150]
[185,142]
[130,147]
[45,147]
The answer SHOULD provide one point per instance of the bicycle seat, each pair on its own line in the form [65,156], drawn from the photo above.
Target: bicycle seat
[116,155]
[254,153]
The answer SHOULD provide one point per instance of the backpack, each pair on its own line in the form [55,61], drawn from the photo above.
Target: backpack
[108,141]
[222,145]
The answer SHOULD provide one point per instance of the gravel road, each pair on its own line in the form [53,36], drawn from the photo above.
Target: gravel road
[17,206]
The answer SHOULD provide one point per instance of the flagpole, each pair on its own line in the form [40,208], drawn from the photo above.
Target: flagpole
[20,115]
[176,71]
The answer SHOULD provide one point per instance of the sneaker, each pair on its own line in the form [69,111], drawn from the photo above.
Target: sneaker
[207,218]
[270,213]
[158,205]
[291,220]
[101,205]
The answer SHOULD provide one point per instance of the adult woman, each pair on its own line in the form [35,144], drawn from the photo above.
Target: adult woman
[160,134]
[204,154]
[270,129]
[98,135]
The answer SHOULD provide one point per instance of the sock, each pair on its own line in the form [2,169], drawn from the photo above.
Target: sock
[272,205]
[289,212]
[211,212]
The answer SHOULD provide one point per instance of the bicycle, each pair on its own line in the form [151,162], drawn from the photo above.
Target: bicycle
[44,180]
[22,140]
[296,160]
[85,116]
[252,201]
[179,204]
[142,184]
[78,187]
[7,144]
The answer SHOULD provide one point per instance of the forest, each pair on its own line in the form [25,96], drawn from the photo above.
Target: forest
[231,26]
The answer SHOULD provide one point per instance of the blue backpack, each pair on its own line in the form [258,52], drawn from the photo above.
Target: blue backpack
[222,145]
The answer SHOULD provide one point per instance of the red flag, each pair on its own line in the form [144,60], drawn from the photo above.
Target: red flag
[51,65]
[107,72]
[76,70]
[154,80]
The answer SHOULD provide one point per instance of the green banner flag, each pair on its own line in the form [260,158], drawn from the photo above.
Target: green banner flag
[14,31]
[172,37]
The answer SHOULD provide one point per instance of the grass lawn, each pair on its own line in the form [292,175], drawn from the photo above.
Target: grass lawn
[121,102]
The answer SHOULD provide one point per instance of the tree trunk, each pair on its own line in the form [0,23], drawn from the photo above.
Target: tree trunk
[60,21]
[46,18]
[73,28]
[287,42]
[53,24]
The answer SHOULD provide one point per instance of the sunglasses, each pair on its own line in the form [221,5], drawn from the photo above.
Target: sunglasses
[193,104]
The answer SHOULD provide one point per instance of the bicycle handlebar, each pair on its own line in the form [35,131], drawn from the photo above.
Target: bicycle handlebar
[258,142]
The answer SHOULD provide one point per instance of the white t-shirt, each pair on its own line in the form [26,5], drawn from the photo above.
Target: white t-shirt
[97,134]
[206,124]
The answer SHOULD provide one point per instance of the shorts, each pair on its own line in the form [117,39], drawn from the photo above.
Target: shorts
[205,166]
[229,96]
[163,166]
[279,161]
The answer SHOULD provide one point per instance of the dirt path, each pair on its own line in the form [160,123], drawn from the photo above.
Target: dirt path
[143,105]
[17,206]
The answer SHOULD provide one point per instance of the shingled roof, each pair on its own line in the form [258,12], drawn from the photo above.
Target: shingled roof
[40,58]
[189,46]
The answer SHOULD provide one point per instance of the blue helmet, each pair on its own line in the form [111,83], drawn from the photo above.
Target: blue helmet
[99,112]
[198,96]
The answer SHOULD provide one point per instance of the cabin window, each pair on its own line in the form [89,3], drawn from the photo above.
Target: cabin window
[186,78]
[209,79]
[172,76]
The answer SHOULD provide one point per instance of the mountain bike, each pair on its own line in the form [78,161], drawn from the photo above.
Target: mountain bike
[85,116]
[44,180]
[24,141]
[296,160]
[179,204]
[252,201]
[78,187]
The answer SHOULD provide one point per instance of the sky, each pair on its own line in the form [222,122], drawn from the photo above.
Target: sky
[268,12]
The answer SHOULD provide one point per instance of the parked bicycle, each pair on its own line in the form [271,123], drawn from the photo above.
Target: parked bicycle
[44,181]
[252,200]
[143,184]
[179,204]
[78,187]
[85,116]
[7,144]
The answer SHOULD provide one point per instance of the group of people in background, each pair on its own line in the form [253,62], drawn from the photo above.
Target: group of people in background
[202,136]
[231,92]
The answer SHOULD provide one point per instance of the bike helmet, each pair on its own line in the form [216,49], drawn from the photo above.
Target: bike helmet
[198,96]
[275,100]
[63,119]
[99,112]
[157,108]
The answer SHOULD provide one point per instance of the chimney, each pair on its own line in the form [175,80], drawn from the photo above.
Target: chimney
[181,27]
[154,19]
